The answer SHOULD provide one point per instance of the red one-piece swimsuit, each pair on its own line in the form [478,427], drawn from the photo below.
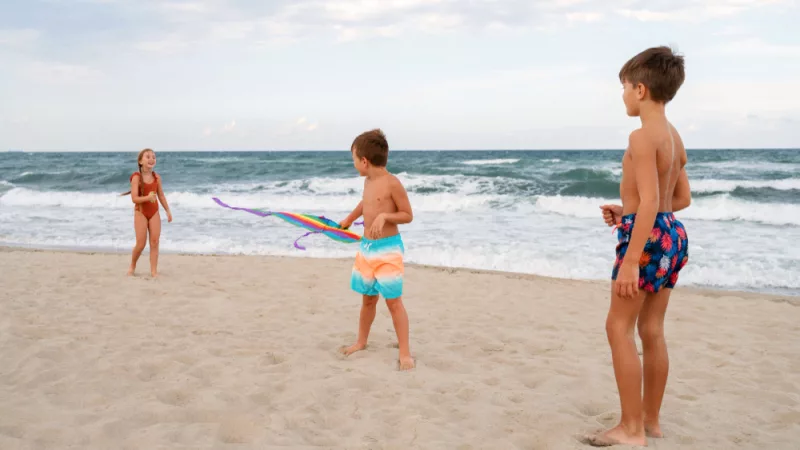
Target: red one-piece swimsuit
[149,209]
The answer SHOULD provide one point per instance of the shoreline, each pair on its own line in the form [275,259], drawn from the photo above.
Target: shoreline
[706,291]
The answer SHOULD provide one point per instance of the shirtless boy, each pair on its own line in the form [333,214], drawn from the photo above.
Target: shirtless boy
[378,268]
[650,253]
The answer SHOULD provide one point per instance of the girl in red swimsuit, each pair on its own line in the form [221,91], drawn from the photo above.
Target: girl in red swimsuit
[146,191]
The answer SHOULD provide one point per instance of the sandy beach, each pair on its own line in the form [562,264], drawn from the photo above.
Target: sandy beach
[241,352]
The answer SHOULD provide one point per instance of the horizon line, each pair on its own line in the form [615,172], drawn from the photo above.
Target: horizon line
[397,150]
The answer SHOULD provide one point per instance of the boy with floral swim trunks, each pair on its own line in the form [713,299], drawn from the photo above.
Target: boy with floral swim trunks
[378,268]
[653,245]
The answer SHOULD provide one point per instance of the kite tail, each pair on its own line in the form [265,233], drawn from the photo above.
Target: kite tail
[300,247]
[291,219]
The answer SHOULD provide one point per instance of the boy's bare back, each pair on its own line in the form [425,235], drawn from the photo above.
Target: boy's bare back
[663,143]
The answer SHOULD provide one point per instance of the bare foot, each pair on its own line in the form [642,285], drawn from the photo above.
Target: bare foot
[154,274]
[616,436]
[653,430]
[131,270]
[347,351]
[407,363]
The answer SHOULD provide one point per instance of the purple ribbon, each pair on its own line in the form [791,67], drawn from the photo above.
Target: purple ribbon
[300,247]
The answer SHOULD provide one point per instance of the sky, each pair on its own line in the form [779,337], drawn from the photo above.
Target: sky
[120,75]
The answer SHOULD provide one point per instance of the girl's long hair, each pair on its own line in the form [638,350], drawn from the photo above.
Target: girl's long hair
[139,162]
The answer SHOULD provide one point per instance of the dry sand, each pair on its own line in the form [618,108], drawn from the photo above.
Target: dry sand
[241,352]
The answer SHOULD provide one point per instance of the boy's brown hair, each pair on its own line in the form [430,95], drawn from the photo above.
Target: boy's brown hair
[373,146]
[659,69]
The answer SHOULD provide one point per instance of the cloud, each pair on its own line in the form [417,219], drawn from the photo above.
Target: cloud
[169,44]
[198,23]
[586,16]
[302,124]
[226,128]
[758,47]
[282,21]
[689,10]
[18,37]
[185,7]
[297,127]
[61,73]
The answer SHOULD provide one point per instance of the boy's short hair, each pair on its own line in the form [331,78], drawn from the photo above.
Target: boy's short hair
[373,146]
[659,69]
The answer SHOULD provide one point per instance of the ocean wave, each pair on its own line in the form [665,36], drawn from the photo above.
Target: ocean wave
[490,162]
[438,202]
[474,195]
[712,185]
[744,165]
[36,176]
[584,174]
[716,208]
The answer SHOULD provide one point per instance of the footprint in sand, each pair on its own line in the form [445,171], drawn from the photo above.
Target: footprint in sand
[261,398]
[593,409]
[491,381]
[272,359]
[175,397]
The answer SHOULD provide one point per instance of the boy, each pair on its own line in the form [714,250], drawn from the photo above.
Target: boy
[651,253]
[378,268]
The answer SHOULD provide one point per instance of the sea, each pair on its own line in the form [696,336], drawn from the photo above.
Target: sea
[534,212]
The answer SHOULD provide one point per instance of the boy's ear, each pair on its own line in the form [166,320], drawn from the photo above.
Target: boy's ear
[641,91]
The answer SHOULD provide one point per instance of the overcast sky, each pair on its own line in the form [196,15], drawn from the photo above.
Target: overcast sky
[434,74]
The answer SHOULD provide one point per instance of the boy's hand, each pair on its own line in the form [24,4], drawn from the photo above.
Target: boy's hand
[612,214]
[344,224]
[627,283]
[376,230]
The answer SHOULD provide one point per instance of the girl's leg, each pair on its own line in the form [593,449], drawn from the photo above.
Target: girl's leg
[155,235]
[140,227]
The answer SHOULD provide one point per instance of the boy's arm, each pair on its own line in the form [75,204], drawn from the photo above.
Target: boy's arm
[643,155]
[682,197]
[357,212]
[400,198]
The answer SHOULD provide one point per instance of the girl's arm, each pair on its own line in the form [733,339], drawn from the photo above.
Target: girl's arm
[135,197]
[163,199]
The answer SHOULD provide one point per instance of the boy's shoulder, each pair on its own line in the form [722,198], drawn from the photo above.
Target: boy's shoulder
[393,179]
[645,141]
[641,140]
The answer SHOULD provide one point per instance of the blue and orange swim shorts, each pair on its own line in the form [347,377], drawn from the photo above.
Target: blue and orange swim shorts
[378,269]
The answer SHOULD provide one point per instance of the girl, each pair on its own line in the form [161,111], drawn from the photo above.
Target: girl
[146,191]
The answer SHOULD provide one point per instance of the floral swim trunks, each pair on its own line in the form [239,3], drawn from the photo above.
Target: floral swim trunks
[664,255]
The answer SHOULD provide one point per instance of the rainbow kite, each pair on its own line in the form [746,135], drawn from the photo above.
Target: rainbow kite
[315,224]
